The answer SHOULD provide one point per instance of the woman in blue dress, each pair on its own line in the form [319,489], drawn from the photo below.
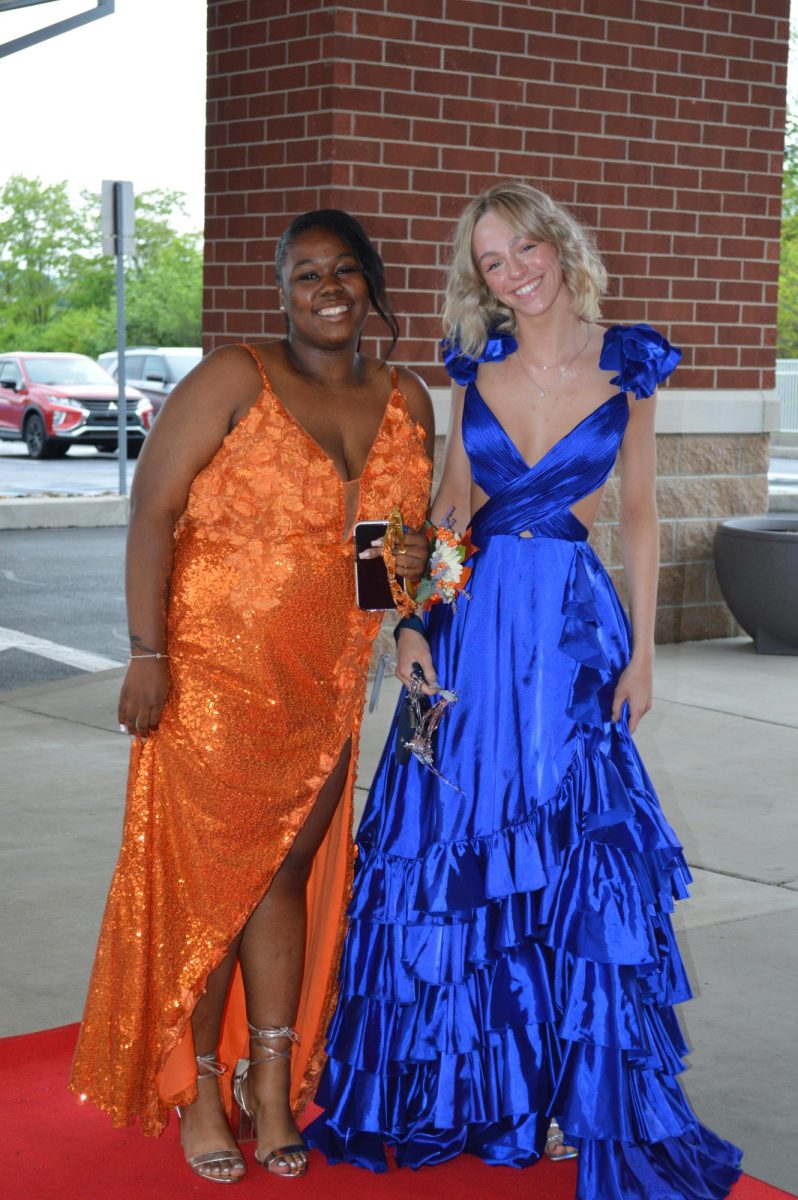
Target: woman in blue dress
[510,960]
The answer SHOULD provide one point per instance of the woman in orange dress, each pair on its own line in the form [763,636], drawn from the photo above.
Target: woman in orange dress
[244,695]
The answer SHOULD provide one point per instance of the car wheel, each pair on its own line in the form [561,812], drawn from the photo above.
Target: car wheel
[134,449]
[59,449]
[36,437]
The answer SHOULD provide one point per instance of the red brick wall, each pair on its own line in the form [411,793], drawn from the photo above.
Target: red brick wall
[664,132]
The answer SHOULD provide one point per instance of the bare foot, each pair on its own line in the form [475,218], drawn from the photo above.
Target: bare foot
[204,1130]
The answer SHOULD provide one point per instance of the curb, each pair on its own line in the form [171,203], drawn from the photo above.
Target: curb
[63,512]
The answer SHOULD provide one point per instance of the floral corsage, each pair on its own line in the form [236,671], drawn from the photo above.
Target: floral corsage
[446,576]
[443,582]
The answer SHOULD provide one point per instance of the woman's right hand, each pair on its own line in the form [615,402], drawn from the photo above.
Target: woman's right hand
[413,647]
[144,691]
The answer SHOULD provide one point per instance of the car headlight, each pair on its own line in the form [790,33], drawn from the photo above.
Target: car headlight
[71,411]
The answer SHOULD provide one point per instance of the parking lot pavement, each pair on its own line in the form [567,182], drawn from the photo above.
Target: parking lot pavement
[721,745]
[83,472]
[62,603]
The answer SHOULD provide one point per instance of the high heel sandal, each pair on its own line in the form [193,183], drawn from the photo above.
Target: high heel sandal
[247,1127]
[209,1067]
[555,1138]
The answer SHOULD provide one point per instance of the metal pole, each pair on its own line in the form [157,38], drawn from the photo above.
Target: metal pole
[121,415]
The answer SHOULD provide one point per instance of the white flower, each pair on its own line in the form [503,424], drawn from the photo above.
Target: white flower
[445,565]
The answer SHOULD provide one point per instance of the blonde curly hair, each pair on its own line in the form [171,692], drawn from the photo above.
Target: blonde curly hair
[471,311]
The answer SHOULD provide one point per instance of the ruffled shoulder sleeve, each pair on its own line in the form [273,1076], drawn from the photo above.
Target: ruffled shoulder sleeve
[464,369]
[641,357]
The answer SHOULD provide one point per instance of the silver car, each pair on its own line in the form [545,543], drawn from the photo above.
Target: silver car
[154,370]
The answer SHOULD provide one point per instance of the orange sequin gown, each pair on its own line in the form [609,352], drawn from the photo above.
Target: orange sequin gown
[268,659]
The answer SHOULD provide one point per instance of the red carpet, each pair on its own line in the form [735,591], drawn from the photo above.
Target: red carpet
[56,1149]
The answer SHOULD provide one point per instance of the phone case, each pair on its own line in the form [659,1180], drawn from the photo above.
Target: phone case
[372,589]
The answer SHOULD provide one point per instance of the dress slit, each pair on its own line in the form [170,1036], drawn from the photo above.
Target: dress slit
[330,876]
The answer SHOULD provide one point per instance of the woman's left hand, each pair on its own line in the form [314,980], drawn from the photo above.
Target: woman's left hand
[411,562]
[635,688]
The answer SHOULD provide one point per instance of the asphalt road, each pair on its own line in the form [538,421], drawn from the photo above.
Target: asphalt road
[84,472]
[65,589]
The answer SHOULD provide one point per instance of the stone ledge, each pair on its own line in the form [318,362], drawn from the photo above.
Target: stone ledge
[62,512]
[684,410]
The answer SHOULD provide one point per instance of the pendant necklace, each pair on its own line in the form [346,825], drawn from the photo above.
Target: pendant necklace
[542,390]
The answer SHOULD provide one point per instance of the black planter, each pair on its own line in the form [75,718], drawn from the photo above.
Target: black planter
[756,560]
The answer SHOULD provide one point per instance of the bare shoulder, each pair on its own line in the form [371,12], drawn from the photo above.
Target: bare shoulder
[220,389]
[419,401]
[271,354]
[234,362]
[229,375]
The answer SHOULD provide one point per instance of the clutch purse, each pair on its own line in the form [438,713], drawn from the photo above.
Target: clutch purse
[417,722]
[410,718]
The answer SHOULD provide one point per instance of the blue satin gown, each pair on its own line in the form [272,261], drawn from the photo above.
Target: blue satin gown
[510,955]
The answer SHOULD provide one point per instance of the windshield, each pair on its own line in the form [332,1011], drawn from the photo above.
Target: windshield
[181,364]
[58,371]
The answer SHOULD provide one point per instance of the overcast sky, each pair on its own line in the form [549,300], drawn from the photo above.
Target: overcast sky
[120,98]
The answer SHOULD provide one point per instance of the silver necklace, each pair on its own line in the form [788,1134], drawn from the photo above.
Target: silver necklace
[542,390]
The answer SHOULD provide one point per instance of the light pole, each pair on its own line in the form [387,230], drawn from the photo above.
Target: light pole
[118,230]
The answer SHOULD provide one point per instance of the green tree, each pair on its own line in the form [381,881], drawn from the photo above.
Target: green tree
[787,321]
[57,290]
[164,283]
[40,239]
[787,338]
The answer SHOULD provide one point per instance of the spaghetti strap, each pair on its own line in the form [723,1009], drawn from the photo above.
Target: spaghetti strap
[256,356]
[394,378]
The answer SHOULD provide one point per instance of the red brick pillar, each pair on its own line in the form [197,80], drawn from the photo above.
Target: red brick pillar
[663,132]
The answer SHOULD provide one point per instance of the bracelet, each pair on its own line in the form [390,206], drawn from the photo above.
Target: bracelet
[157,654]
[411,622]
[393,539]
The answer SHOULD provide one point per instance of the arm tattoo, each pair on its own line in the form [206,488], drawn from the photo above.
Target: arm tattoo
[137,643]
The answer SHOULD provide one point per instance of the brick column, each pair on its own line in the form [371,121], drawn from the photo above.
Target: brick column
[663,132]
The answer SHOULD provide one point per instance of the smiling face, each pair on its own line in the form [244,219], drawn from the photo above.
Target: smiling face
[523,273]
[324,290]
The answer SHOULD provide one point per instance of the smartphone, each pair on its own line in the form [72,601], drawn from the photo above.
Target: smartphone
[372,589]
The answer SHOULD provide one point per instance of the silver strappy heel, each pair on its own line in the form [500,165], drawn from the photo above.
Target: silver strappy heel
[209,1067]
[247,1130]
[556,1138]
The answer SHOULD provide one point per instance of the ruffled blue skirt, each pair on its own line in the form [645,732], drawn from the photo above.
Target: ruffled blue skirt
[510,955]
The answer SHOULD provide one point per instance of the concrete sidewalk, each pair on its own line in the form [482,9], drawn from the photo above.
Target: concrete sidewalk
[721,745]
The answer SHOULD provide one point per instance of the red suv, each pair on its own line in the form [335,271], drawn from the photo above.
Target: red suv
[54,401]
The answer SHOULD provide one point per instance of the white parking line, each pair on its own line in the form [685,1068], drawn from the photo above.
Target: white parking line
[11,639]
[12,578]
